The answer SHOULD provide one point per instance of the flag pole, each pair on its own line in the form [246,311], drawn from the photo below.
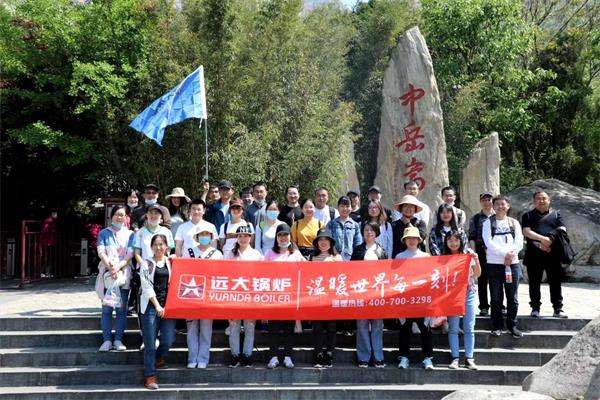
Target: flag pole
[206,149]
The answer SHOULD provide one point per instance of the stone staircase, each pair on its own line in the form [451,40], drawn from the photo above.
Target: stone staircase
[57,358]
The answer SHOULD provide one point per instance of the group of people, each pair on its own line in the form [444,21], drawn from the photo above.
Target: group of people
[143,236]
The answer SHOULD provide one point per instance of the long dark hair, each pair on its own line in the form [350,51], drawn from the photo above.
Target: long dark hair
[382,218]
[453,233]
[278,250]
[236,247]
[440,224]
[182,209]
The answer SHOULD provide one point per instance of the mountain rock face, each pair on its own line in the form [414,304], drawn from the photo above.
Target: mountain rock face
[481,174]
[412,145]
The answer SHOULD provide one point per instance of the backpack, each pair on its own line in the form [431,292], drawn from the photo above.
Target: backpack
[331,213]
[493,226]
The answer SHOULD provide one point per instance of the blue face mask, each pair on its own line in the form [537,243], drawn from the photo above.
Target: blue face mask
[271,214]
[117,226]
[204,240]
[150,202]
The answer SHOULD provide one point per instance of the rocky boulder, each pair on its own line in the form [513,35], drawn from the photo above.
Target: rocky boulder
[481,174]
[580,210]
[490,394]
[350,177]
[412,145]
[569,374]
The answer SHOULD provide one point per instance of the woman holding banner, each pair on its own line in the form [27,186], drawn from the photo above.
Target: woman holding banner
[324,245]
[242,250]
[282,332]
[453,244]
[369,332]
[155,274]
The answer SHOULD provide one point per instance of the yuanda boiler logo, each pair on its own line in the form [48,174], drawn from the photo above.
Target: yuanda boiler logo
[191,287]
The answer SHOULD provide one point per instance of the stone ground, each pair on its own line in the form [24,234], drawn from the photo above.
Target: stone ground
[76,297]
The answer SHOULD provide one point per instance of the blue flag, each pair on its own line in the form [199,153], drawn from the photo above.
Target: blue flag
[186,100]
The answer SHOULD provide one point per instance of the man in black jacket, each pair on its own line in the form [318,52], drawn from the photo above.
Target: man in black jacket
[541,254]
[138,216]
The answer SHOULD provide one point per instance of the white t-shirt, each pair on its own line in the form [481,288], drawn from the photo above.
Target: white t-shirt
[188,230]
[249,255]
[176,222]
[216,255]
[143,237]
[370,253]
[231,228]
[265,238]
[322,214]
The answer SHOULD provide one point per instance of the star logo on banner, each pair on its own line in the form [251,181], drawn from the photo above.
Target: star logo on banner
[191,287]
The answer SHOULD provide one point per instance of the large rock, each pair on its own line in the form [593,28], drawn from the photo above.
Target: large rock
[481,174]
[593,391]
[490,394]
[350,177]
[411,140]
[569,374]
[580,210]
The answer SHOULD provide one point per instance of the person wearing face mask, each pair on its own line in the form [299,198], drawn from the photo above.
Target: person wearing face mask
[138,216]
[265,230]
[115,252]
[255,212]
[185,237]
[281,332]
[199,332]
[228,232]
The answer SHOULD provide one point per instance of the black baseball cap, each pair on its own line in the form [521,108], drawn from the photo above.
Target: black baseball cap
[353,192]
[151,186]
[283,228]
[225,184]
[375,188]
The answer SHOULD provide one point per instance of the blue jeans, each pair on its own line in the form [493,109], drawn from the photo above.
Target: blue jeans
[199,334]
[152,324]
[468,327]
[121,321]
[235,327]
[369,338]
[497,284]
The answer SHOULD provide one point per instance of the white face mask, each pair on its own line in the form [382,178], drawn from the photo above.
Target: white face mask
[132,205]
[152,224]
[260,202]
[284,245]
[150,202]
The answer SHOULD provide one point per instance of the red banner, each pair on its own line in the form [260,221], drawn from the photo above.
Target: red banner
[222,289]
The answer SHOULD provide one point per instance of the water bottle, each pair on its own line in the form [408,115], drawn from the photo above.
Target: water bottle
[508,274]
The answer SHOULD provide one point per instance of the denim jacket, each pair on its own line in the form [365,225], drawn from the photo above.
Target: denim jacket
[346,234]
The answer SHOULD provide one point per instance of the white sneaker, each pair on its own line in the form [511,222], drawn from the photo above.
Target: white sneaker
[192,365]
[454,364]
[157,343]
[202,365]
[287,361]
[142,347]
[106,346]
[119,346]
[415,329]
[273,363]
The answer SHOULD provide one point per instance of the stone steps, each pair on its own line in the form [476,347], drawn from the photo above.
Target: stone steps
[92,322]
[85,356]
[242,392]
[303,373]
[57,358]
[93,338]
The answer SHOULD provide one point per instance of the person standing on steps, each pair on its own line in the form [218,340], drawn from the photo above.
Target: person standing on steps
[503,241]
[542,253]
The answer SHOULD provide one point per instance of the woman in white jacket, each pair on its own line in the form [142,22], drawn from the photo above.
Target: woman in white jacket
[155,275]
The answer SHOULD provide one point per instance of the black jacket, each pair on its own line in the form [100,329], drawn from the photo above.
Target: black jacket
[360,250]
[562,245]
